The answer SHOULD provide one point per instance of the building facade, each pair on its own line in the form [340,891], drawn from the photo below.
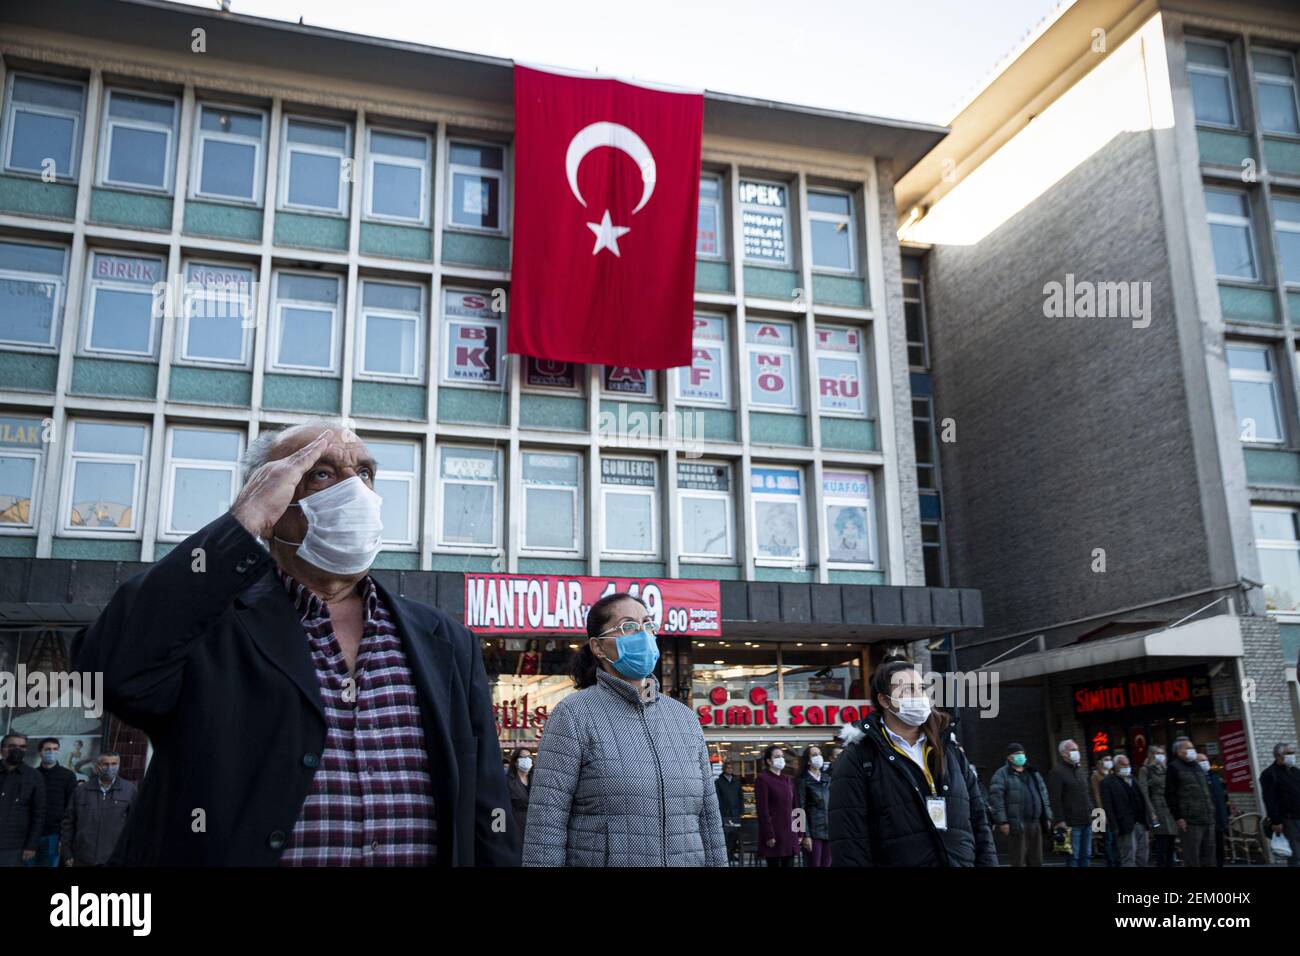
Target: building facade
[212,225]
[1113,278]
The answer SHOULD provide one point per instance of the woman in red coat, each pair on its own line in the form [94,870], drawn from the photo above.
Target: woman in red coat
[774,795]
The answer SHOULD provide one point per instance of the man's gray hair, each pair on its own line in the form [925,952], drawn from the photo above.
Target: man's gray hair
[1064,745]
[1279,749]
[258,452]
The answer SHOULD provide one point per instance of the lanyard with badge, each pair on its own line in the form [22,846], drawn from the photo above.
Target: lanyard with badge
[935,805]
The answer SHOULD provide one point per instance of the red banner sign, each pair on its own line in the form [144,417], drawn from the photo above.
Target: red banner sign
[1236,758]
[532,603]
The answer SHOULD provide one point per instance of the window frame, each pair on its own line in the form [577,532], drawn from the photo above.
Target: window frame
[413,479]
[577,389]
[652,385]
[68,481]
[1224,219]
[107,124]
[1291,226]
[720,205]
[498,507]
[40,457]
[1278,544]
[78,127]
[1276,79]
[92,286]
[652,493]
[725,347]
[503,184]
[1270,378]
[788,262]
[1209,70]
[793,353]
[860,356]
[60,295]
[728,498]
[273,363]
[247,326]
[166,532]
[344,156]
[579,506]
[497,319]
[850,220]
[359,372]
[196,154]
[917,283]
[873,536]
[424,165]
[799,560]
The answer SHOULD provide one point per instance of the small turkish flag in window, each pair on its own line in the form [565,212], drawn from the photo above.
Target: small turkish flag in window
[607,181]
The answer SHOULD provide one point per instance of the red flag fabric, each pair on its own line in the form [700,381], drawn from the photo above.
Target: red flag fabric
[607,181]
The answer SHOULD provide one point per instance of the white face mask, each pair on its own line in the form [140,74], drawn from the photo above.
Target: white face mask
[1074,756]
[1190,754]
[1204,765]
[1124,771]
[1288,759]
[1107,764]
[817,761]
[525,764]
[778,763]
[1160,760]
[343,527]
[913,711]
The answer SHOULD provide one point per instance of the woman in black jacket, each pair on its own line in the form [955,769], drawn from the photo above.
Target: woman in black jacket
[812,794]
[902,793]
[519,781]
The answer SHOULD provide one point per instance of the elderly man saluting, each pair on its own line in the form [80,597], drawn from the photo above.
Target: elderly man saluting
[300,714]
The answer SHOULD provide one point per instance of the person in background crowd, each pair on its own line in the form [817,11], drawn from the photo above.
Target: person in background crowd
[1219,801]
[622,775]
[1020,807]
[731,806]
[97,815]
[774,798]
[1188,793]
[1126,813]
[900,750]
[834,756]
[1280,786]
[22,803]
[1071,798]
[812,794]
[60,782]
[1151,781]
[1105,767]
[518,779]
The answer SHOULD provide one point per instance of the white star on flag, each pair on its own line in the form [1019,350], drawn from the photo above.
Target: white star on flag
[607,234]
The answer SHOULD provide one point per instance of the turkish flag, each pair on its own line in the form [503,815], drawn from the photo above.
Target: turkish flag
[607,182]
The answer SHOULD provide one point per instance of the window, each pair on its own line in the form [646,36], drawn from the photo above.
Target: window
[705,524]
[472,339]
[1275,81]
[780,531]
[1286,218]
[476,172]
[137,141]
[552,489]
[923,440]
[220,305]
[306,314]
[103,481]
[705,381]
[765,222]
[773,365]
[470,493]
[397,481]
[228,154]
[1228,213]
[390,335]
[31,294]
[1254,393]
[314,167]
[710,232]
[397,180]
[202,477]
[830,219]
[932,550]
[43,125]
[628,382]
[22,467]
[549,374]
[918,342]
[629,502]
[850,518]
[841,370]
[1278,547]
[1209,71]
[121,314]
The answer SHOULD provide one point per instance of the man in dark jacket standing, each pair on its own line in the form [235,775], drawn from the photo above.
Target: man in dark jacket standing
[1126,813]
[370,714]
[1280,786]
[1020,807]
[60,782]
[731,806]
[1188,794]
[22,803]
[98,814]
[1071,796]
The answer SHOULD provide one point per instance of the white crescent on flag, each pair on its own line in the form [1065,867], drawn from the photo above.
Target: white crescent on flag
[615,136]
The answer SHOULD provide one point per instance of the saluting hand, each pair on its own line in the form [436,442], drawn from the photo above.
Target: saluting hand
[270,488]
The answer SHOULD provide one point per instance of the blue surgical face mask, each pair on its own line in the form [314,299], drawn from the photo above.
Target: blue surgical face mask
[108,773]
[637,655]
[49,757]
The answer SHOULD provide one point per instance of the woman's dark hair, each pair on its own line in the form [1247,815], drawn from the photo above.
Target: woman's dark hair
[585,665]
[935,726]
[771,749]
[514,762]
[805,758]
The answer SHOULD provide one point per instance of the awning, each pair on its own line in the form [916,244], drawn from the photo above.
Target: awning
[1194,642]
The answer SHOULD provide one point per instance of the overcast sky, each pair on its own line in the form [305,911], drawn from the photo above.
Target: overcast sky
[916,59]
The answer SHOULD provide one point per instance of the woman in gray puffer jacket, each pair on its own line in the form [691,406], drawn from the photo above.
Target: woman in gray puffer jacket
[622,774]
